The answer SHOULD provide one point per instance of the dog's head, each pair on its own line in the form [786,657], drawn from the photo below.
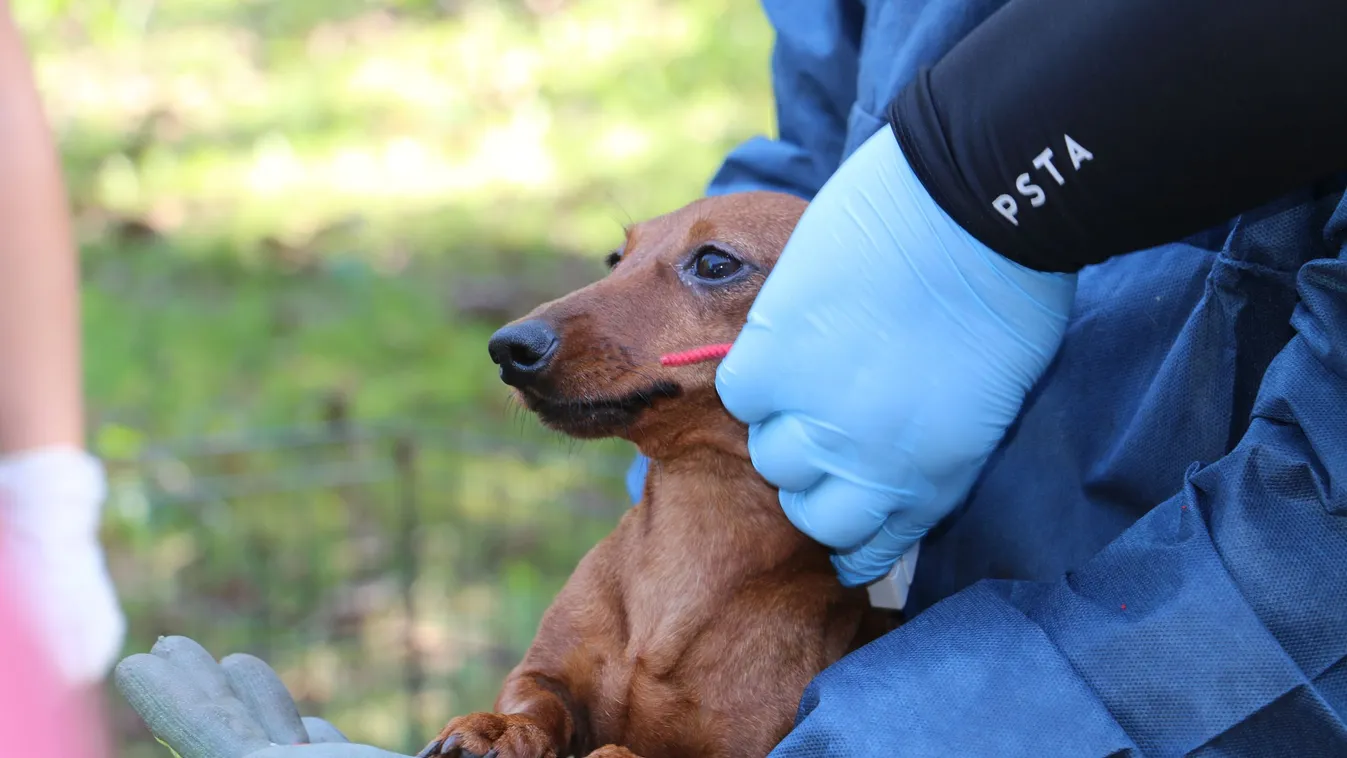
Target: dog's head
[588,364]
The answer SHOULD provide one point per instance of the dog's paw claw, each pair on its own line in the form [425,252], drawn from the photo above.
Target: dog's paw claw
[491,735]
[448,746]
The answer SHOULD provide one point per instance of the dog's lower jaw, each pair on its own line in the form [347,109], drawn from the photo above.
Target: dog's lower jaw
[596,417]
[593,424]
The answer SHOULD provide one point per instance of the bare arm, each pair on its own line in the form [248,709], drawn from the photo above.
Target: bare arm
[40,372]
[51,489]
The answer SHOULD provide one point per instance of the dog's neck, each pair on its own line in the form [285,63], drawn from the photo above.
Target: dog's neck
[716,507]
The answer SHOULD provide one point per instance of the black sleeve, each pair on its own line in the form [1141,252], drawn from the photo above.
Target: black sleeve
[1063,132]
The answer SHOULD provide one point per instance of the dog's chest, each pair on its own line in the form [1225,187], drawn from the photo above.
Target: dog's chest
[663,696]
[689,680]
[667,625]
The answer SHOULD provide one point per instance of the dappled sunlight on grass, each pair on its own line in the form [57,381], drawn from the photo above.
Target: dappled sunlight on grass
[367,113]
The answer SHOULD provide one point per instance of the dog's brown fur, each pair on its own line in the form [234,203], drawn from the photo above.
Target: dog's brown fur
[694,627]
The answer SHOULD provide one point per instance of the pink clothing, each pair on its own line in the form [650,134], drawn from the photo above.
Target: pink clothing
[39,716]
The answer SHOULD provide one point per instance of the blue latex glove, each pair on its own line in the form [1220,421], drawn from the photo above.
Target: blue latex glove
[883,360]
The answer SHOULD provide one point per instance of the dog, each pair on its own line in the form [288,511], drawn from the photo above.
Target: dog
[694,627]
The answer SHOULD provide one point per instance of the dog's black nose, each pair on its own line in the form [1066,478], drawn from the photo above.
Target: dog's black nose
[522,351]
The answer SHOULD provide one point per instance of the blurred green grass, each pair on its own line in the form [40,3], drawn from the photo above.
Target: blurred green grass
[288,207]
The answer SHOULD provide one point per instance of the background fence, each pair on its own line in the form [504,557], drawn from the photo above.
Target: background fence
[392,574]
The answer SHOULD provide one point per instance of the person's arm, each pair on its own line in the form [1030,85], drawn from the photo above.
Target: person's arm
[1061,133]
[40,377]
[1216,625]
[927,287]
[51,488]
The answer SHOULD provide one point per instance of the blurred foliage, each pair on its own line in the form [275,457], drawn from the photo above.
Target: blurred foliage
[314,212]
[392,574]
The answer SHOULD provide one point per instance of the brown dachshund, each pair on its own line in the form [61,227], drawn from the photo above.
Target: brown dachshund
[694,627]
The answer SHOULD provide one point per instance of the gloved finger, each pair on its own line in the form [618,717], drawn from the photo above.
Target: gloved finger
[873,560]
[321,731]
[180,713]
[781,451]
[265,696]
[347,750]
[743,378]
[837,512]
[195,664]
[198,665]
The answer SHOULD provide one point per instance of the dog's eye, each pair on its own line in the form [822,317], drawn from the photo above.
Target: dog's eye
[711,263]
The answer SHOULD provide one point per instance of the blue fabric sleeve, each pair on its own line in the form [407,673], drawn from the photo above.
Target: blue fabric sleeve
[814,69]
[815,62]
[636,477]
[1216,625]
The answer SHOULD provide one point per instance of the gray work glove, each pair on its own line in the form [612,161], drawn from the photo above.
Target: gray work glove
[237,708]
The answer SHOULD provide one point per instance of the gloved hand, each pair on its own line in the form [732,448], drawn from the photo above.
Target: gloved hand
[51,500]
[883,360]
[237,708]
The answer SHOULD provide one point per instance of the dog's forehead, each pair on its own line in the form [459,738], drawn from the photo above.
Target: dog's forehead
[755,224]
[706,220]
[644,241]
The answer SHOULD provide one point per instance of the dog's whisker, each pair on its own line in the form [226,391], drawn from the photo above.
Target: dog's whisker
[638,372]
[518,417]
[630,222]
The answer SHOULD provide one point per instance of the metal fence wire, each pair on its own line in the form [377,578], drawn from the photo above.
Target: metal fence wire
[391,574]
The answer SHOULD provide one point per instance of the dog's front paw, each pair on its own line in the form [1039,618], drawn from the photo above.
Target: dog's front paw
[491,735]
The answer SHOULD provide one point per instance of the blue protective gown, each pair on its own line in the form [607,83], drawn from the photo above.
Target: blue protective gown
[1154,562]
